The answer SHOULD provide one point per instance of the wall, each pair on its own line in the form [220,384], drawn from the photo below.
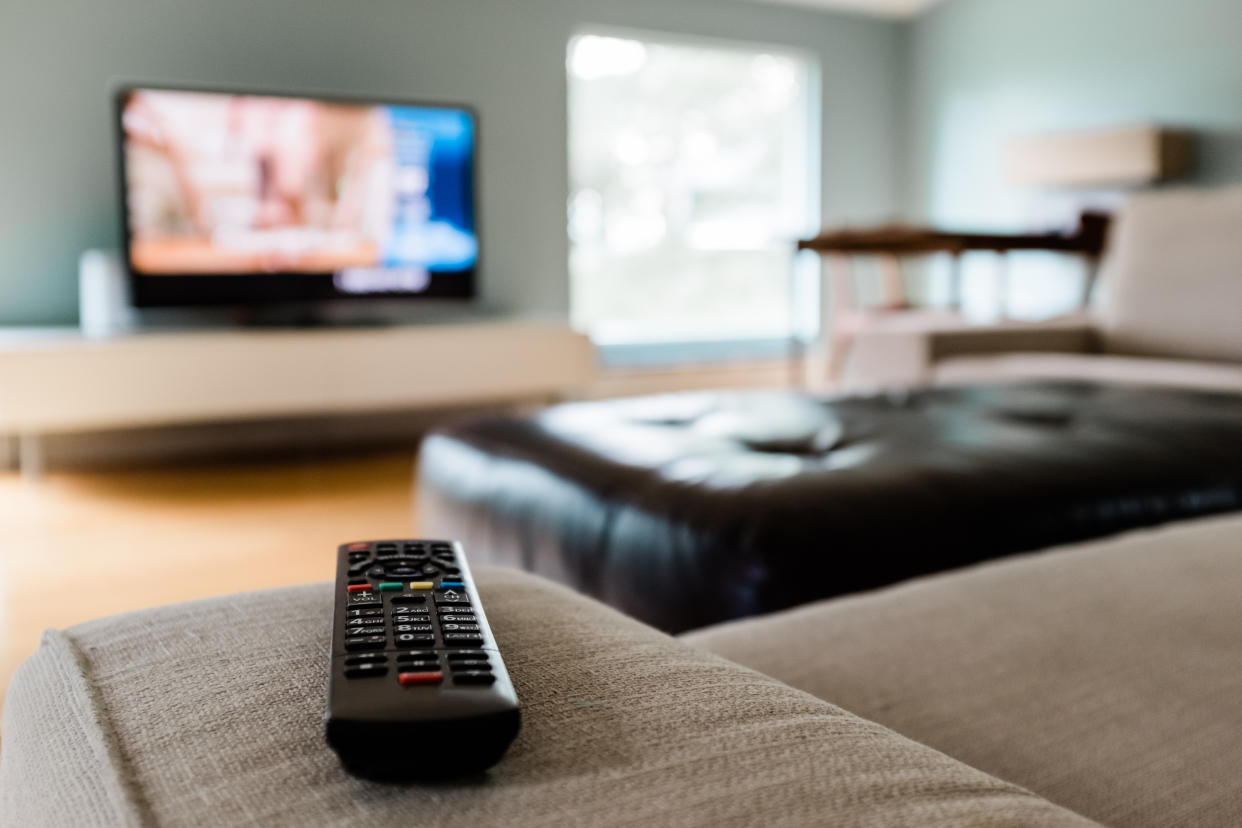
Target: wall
[982,70]
[507,57]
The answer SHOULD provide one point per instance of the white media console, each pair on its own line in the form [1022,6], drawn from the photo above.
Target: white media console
[61,381]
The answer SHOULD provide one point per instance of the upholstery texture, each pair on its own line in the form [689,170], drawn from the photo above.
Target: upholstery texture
[1012,367]
[1107,677]
[210,713]
[1172,282]
[907,356]
[689,509]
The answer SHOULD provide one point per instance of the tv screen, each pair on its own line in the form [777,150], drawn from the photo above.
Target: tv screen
[234,198]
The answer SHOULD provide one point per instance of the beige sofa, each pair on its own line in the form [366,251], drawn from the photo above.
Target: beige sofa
[1168,312]
[1100,684]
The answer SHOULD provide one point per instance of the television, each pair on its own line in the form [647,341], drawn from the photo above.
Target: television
[237,198]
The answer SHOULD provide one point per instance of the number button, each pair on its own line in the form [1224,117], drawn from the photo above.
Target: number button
[408,628]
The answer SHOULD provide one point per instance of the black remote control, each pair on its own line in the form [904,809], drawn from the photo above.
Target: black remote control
[417,688]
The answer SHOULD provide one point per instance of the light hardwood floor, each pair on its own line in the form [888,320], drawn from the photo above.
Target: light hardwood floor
[76,546]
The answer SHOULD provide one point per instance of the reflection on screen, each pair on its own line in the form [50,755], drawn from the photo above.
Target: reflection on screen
[222,183]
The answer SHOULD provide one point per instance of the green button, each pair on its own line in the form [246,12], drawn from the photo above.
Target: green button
[388,585]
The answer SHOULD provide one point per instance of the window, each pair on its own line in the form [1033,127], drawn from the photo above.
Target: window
[691,175]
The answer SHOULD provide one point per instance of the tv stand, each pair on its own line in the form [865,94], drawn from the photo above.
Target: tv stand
[61,381]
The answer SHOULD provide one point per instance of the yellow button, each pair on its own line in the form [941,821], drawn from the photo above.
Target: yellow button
[422,584]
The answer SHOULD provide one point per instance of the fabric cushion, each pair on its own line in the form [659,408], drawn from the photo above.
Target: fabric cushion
[211,713]
[1107,677]
[1175,373]
[1172,281]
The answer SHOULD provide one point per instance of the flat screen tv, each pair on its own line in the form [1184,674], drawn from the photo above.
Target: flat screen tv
[235,198]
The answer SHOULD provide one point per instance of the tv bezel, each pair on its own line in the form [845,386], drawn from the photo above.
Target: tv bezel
[166,290]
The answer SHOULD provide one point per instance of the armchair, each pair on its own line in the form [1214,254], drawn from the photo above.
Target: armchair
[1168,312]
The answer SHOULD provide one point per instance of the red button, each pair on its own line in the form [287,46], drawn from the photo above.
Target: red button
[407,679]
[359,587]
[360,546]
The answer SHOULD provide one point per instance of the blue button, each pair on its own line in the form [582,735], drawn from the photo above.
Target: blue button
[447,584]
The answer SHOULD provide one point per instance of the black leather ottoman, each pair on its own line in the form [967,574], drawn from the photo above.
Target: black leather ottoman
[687,509]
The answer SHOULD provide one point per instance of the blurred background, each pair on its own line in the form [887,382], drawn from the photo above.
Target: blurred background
[657,196]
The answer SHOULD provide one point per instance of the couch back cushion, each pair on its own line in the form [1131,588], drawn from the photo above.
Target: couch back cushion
[1172,280]
[1104,676]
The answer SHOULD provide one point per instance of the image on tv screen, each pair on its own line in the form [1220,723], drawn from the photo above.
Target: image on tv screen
[244,184]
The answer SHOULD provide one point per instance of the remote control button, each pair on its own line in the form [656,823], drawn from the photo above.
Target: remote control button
[416,655]
[366,671]
[470,664]
[474,677]
[421,666]
[414,639]
[422,585]
[415,546]
[385,547]
[376,572]
[452,584]
[360,546]
[452,596]
[388,586]
[411,619]
[409,679]
[365,600]
[459,627]
[404,600]
[358,587]
[408,628]
[401,571]
[458,619]
[365,622]
[451,570]
[370,642]
[354,632]
[462,639]
[465,654]
[366,658]
[430,570]
[463,664]
[364,613]
[357,569]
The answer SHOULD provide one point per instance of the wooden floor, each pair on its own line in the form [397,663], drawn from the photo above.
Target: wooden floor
[123,540]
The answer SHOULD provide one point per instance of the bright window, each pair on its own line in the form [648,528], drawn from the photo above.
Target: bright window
[691,175]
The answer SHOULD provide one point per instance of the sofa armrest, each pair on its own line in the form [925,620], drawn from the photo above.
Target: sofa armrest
[211,713]
[902,356]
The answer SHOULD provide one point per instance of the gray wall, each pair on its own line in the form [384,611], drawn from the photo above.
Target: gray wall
[507,57]
[983,70]
[980,71]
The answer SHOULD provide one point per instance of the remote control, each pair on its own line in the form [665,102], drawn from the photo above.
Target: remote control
[417,688]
